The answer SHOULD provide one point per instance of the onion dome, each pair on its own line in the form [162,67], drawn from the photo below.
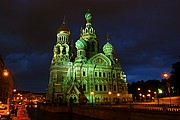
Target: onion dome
[81,44]
[63,28]
[108,49]
[88,17]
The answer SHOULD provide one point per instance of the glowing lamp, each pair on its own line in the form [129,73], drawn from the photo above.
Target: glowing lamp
[5,73]
[165,75]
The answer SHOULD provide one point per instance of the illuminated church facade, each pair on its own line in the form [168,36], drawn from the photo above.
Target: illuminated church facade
[85,75]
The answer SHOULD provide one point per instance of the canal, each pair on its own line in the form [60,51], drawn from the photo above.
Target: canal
[37,114]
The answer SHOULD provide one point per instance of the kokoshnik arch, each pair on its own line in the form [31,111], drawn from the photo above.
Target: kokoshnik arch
[84,74]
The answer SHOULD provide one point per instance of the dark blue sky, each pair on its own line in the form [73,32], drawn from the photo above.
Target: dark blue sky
[145,35]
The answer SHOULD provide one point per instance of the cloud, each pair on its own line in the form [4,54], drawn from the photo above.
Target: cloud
[29,69]
[145,34]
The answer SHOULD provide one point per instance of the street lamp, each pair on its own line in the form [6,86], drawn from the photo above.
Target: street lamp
[149,95]
[140,96]
[155,96]
[165,75]
[139,93]
[118,94]
[5,73]
[92,93]
[143,97]
[110,97]
[159,92]
[14,90]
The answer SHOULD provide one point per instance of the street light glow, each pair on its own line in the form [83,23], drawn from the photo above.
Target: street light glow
[5,73]
[14,90]
[159,91]
[109,92]
[165,75]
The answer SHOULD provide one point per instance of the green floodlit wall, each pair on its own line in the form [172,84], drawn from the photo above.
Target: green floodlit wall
[84,75]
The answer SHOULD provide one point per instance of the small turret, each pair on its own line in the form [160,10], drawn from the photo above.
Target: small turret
[81,53]
[108,49]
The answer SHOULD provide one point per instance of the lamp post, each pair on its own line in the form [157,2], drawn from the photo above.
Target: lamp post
[143,96]
[14,91]
[5,73]
[118,98]
[149,94]
[140,95]
[6,88]
[92,93]
[165,76]
[155,96]
[110,97]
[159,92]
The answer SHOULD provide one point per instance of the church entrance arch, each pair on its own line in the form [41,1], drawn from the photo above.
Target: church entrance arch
[73,98]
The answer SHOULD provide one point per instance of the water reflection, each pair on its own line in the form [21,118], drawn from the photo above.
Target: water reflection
[37,114]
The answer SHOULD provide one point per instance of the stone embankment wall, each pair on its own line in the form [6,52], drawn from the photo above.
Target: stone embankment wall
[107,113]
[125,114]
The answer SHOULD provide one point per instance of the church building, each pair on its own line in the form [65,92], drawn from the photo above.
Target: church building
[85,75]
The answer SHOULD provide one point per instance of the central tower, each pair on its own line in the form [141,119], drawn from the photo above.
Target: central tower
[89,35]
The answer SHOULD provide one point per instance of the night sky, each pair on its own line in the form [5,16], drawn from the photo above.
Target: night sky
[145,35]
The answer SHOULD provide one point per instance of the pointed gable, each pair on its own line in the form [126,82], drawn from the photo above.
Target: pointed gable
[100,59]
[74,89]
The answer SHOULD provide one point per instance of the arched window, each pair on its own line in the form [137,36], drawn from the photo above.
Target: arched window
[64,50]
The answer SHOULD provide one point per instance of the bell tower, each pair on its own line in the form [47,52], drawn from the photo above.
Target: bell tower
[61,49]
[58,68]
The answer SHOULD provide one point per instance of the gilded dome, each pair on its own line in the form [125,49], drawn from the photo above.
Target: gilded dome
[63,29]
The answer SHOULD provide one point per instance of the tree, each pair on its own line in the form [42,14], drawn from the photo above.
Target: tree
[144,86]
[175,79]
